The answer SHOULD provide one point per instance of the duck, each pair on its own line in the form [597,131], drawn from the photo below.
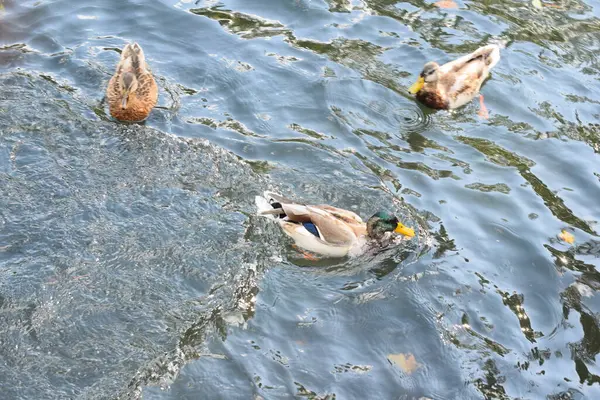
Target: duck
[329,231]
[456,83]
[132,92]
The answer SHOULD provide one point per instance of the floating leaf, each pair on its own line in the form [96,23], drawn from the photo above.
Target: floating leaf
[446,4]
[567,237]
[537,4]
[406,362]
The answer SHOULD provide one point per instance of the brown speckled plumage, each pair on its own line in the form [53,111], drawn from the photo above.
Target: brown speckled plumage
[142,100]
[457,82]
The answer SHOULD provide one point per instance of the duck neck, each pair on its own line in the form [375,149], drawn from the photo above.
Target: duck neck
[431,95]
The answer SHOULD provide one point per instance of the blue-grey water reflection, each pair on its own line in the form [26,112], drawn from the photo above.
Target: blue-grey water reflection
[132,264]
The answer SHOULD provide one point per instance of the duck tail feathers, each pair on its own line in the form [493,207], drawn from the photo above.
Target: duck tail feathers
[490,54]
[273,197]
[493,55]
[132,57]
[268,208]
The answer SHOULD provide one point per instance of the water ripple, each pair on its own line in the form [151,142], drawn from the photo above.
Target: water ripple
[131,261]
[412,119]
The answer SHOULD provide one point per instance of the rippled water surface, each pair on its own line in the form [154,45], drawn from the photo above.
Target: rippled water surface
[132,264]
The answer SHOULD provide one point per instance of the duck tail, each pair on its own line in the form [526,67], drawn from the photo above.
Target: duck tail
[491,54]
[268,207]
[276,197]
[133,58]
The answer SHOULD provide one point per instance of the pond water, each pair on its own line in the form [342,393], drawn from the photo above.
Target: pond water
[132,264]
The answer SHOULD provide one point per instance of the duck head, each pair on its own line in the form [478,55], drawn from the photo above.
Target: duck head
[428,75]
[383,222]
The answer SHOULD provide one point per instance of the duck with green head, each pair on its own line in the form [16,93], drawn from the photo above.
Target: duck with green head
[327,230]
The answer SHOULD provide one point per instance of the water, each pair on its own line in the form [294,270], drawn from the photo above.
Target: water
[131,262]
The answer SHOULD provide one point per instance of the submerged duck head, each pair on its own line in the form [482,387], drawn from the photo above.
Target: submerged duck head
[383,222]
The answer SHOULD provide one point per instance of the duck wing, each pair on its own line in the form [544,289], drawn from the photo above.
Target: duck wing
[147,90]
[332,229]
[462,87]
[351,219]
[461,79]
[342,214]
[306,240]
[485,57]
[296,212]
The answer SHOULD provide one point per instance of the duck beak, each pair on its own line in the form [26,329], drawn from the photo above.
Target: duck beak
[417,86]
[403,230]
[124,100]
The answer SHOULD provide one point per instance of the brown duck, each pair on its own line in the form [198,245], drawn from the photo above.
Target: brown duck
[132,92]
[456,83]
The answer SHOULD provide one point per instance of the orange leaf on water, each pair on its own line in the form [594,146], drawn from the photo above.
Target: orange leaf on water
[406,362]
[567,237]
[446,4]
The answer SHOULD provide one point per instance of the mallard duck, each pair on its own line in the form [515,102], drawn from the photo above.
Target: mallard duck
[327,230]
[456,83]
[132,92]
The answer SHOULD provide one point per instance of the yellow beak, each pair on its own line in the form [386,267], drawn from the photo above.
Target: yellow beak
[417,86]
[403,230]
[124,100]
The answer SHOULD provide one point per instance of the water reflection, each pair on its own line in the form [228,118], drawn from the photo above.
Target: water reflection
[500,156]
[131,261]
